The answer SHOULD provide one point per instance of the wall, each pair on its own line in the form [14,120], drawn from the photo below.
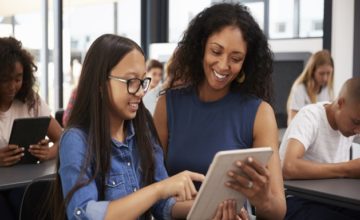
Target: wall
[342,40]
[161,51]
[296,45]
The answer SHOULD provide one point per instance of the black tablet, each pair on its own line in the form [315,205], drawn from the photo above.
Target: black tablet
[28,131]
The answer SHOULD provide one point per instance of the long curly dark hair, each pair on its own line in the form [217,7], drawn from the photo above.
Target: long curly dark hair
[186,63]
[11,51]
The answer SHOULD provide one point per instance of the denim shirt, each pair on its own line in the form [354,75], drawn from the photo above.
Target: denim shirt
[123,179]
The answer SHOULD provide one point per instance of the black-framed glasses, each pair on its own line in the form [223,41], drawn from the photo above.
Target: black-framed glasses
[133,84]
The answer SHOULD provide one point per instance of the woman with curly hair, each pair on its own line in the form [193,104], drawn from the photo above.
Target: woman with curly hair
[19,100]
[225,65]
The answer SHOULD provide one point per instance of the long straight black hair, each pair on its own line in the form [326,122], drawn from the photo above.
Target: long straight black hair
[90,113]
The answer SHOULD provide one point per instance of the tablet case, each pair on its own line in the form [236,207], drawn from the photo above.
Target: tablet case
[213,190]
[28,131]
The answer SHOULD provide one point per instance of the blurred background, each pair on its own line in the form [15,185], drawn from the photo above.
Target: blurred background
[59,32]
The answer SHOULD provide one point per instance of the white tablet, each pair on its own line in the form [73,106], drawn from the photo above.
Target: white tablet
[213,190]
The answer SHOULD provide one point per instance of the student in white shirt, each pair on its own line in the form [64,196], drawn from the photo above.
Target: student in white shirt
[316,145]
[154,70]
[315,83]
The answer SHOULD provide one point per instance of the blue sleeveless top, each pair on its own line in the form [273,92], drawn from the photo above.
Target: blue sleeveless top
[197,129]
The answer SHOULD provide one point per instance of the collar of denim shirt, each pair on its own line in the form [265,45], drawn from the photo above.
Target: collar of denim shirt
[129,135]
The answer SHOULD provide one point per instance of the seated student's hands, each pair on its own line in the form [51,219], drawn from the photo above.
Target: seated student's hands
[180,186]
[10,155]
[254,182]
[227,211]
[243,215]
[351,168]
[42,150]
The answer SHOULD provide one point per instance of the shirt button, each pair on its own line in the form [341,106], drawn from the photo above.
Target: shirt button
[113,183]
[128,163]
[135,189]
[78,212]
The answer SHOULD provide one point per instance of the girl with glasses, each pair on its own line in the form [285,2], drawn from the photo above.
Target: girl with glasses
[111,164]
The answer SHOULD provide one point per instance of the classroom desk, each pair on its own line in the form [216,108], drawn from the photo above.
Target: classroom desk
[338,192]
[23,174]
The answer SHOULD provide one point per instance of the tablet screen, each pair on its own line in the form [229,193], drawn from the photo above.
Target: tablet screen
[28,131]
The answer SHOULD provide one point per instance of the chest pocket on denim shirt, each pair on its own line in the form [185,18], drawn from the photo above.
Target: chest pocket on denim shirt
[115,186]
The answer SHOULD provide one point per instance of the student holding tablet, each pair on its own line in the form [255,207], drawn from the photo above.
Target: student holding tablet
[224,64]
[19,100]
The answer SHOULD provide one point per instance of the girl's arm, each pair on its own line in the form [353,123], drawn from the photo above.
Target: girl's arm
[160,121]
[134,205]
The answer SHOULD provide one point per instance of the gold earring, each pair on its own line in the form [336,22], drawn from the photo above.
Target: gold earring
[241,77]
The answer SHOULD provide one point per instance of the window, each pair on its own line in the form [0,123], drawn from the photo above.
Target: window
[27,28]
[281,22]
[181,13]
[84,23]
[129,19]
[311,18]
[7,25]
[257,10]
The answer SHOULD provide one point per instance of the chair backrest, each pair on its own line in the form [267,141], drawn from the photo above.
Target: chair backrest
[34,204]
[59,116]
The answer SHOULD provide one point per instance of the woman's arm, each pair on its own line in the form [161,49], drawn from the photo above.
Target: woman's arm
[266,134]
[160,121]
[262,185]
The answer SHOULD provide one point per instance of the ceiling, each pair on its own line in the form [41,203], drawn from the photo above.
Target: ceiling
[13,7]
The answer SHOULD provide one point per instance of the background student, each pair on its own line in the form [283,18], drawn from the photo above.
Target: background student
[75,70]
[316,145]
[154,70]
[314,84]
[18,99]
[218,100]
[111,164]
